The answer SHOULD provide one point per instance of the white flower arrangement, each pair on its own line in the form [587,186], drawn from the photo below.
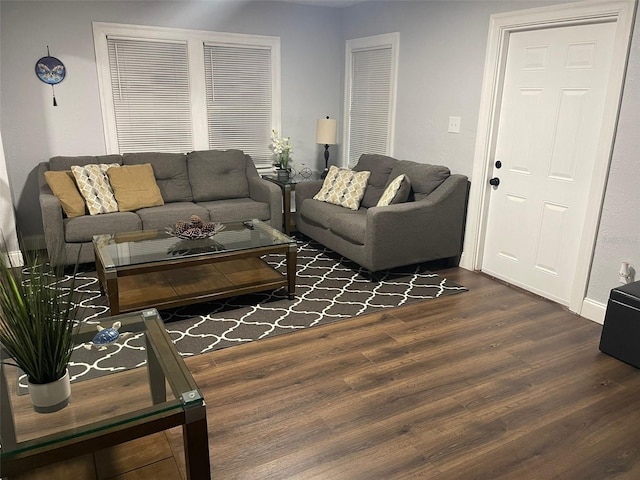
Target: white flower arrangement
[281,146]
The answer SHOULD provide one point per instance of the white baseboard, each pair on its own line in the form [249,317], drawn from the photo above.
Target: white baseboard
[593,310]
[15,258]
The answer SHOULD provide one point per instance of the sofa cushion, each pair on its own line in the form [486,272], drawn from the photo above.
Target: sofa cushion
[350,225]
[94,186]
[237,210]
[82,229]
[425,178]
[63,186]
[397,191]
[380,167]
[319,213]
[217,174]
[134,187]
[169,214]
[343,187]
[170,170]
[65,163]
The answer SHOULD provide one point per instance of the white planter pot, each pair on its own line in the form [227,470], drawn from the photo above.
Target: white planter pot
[50,397]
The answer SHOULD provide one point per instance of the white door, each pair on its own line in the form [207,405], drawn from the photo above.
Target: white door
[549,127]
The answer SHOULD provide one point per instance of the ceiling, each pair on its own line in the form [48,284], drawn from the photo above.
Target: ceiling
[326,3]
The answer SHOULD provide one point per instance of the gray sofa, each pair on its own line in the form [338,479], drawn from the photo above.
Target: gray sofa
[221,186]
[428,226]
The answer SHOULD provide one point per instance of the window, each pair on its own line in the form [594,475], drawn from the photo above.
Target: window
[239,98]
[174,90]
[151,95]
[371,70]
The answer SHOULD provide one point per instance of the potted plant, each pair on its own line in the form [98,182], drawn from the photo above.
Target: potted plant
[38,327]
[282,148]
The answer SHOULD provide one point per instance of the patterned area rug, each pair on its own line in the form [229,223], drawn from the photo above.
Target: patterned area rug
[328,288]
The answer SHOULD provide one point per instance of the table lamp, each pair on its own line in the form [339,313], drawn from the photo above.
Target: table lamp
[326,134]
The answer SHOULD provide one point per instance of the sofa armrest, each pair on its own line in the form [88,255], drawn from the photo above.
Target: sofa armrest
[262,190]
[432,227]
[306,190]
[53,226]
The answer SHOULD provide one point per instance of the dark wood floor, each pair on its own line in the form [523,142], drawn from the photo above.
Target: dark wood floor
[494,383]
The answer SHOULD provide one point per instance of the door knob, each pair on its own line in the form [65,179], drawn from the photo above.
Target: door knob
[495,181]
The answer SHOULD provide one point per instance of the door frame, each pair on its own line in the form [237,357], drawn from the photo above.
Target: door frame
[622,12]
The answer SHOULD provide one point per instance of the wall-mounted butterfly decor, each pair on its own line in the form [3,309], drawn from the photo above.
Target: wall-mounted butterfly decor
[51,71]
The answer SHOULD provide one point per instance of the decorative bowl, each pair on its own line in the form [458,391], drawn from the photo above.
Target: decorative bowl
[195,229]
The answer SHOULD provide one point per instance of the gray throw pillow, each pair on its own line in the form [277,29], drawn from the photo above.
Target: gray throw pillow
[170,170]
[425,178]
[380,167]
[217,175]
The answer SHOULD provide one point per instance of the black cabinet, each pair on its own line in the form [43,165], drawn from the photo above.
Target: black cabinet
[621,330]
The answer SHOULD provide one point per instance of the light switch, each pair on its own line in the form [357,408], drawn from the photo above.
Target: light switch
[454,125]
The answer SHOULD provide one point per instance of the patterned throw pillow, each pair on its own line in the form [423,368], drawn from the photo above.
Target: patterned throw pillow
[396,192]
[343,187]
[94,186]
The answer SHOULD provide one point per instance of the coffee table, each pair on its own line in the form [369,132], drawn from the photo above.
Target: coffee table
[151,268]
[110,409]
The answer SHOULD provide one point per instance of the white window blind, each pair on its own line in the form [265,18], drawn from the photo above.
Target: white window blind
[151,95]
[370,84]
[179,90]
[239,99]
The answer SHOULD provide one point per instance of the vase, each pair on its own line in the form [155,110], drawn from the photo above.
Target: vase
[283,174]
[50,397]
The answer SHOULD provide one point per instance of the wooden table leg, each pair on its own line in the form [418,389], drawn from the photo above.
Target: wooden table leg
[156,374]
[196,443]
[7,426]
[287,209]
[99,270]
[292,265]
[111,286]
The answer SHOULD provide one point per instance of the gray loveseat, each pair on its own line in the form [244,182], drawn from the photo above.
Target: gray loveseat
[221,186]
[428,226]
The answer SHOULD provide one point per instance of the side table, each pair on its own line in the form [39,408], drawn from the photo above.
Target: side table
[110,409]
[287,186]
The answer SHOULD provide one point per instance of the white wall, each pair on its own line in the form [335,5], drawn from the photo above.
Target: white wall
[34,130]
[619,234]
[442,54]
[7,217]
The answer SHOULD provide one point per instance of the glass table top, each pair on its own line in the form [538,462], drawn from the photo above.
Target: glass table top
[293,180]
[104,402]
[146,246]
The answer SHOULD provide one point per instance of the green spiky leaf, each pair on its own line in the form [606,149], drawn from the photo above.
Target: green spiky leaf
[38,323]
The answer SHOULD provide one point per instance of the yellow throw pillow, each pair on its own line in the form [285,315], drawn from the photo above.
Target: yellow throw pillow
[64,187]
[135,187]
[94,186]
[343,187]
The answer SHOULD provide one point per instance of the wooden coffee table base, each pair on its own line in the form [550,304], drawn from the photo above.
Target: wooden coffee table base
[172,285]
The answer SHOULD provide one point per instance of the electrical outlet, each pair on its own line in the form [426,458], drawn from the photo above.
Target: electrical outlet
[454,125]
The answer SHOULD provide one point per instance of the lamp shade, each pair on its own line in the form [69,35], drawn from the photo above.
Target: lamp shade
[326,131]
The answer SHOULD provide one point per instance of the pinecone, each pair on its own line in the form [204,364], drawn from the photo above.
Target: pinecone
[208,227]
[180,227]
[191,233]
[212,228]
[196,221]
